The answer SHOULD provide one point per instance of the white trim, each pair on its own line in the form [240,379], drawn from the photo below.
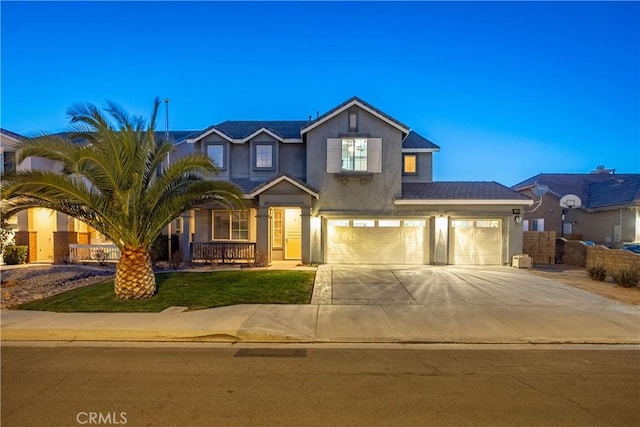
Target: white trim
[278,181]
[462,202]
[11,139]
[420,150]
[245,139]
[346,107]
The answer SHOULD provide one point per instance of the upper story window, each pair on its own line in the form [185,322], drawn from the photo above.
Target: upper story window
[264,156]
[410,164]
[216,154]
[354,155]
[8,163]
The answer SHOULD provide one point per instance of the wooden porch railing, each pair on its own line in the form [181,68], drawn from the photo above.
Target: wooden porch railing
[97,253]
[223,252]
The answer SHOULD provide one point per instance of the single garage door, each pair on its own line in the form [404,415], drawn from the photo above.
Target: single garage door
[375,241]
[476,242]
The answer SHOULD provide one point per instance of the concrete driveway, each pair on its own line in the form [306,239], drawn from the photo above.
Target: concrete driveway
[444,286]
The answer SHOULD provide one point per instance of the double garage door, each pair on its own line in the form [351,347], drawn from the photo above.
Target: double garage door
[376,241]
[403,241]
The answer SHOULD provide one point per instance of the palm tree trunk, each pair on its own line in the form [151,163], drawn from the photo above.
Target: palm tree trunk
[134,275]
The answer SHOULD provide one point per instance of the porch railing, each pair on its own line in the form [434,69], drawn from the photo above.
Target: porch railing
[223,252]
[93,253]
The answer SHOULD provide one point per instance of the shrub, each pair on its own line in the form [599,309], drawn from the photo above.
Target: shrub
[597,272]
[627,277]
[15,254]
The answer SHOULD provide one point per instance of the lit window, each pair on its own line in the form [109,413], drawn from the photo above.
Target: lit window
[264,156]
[230,225]
[364,223]
[277,229]
[414,223]
[410,164]
[488,224]
[216,154]
[354,154]
[338,223]
[389,223]
[459,223]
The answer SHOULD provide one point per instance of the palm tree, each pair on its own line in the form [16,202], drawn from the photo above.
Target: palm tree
[111,180]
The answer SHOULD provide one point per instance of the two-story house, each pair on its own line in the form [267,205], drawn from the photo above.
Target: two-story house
[353,186]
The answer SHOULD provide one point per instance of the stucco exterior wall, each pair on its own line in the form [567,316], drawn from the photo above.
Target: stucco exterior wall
[293,160]
[425,169]
[375,195]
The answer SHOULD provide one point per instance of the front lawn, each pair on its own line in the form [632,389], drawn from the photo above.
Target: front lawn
[195,290]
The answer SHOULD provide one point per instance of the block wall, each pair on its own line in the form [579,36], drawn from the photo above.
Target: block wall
[540,245]
[612,259]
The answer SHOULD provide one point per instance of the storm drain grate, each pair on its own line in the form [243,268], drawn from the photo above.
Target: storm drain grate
[271,352]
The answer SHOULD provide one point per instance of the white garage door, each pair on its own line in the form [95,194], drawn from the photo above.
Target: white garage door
[476,242]
[375,241]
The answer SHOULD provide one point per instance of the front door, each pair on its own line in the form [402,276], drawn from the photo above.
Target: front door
[292,234]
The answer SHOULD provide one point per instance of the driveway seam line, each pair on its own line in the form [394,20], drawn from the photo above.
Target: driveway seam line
[403,287]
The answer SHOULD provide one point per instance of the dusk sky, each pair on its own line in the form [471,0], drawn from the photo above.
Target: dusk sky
[507,89]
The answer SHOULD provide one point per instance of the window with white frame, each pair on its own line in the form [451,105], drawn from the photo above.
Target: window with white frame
[216,154]
[264,156]
[230,225]
[537,224]
[277,228]
[7,161]
[354,154]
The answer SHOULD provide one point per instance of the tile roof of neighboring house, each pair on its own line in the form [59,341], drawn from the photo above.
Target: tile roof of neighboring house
[350,100]
[459,190]
[415,140]
[595,190]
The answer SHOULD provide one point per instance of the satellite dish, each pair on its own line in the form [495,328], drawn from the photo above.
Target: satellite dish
[540,190]
[570,201]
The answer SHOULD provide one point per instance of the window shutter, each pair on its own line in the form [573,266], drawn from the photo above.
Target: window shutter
[334,155]
[374,155]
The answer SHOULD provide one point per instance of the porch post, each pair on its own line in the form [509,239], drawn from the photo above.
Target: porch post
[305,212]
[263,251]
[185,244]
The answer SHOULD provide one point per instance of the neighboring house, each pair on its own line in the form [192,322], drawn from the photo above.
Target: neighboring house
[610,211]
[353,186]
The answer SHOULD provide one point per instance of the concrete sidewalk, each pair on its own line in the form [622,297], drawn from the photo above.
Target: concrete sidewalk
[370,305]
[337,323]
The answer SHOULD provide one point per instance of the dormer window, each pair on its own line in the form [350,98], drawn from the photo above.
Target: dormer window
[264,156]
[353,121]
[216,154]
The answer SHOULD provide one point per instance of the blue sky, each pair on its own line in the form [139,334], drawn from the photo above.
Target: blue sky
[507,89]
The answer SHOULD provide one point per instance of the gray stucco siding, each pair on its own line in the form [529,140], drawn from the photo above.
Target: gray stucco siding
[293,160]
[375,194]
[425,168]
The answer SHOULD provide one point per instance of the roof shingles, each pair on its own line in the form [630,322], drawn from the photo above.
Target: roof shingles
[459,190]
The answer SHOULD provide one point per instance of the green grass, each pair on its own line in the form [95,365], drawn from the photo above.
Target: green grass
[195,290]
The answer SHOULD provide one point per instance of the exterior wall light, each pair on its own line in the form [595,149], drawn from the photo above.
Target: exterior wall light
[518,219]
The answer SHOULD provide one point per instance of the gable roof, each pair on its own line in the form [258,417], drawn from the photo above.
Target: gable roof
[363,105]
[596,190]
[416,142]
[253,188]
[461,193]
[11,136]
[240,131]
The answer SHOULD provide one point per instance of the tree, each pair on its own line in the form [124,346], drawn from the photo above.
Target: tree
[111,180]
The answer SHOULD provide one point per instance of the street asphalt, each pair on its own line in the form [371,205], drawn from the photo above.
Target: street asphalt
[371,304]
